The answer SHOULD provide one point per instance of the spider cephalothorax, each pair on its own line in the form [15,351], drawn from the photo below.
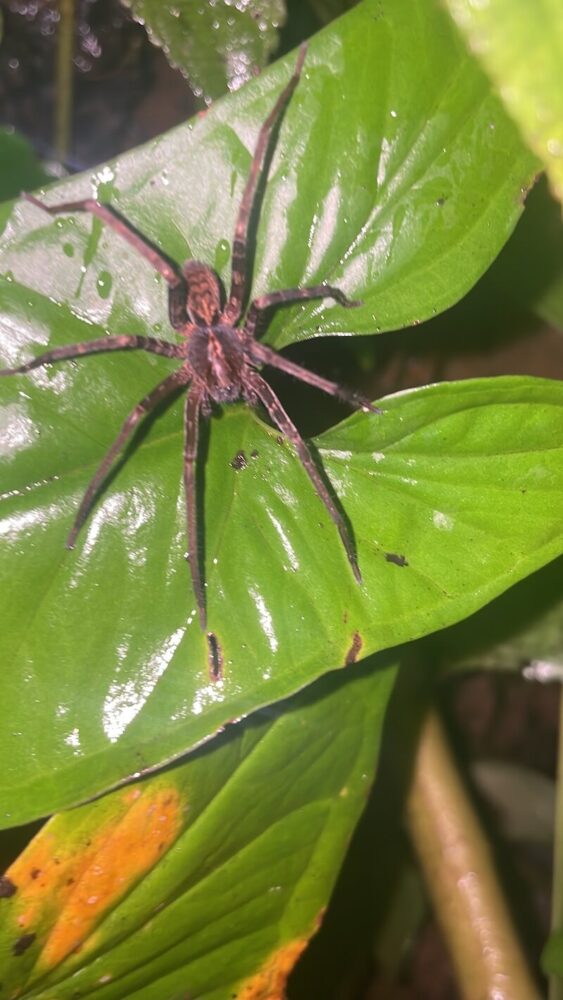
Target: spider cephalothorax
[219,355]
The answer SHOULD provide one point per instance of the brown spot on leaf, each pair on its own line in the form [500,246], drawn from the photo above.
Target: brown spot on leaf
[7,887]
[397,560]
[35,873]
[239,461]
[22,944]
[355,649]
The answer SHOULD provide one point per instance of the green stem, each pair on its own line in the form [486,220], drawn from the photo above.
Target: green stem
[459,871]
[64,80]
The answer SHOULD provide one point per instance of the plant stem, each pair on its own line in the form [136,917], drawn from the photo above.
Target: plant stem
[65,79]
[555,982]
[459,871]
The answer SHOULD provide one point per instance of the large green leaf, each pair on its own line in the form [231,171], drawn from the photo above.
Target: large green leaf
[213,872]
[397,175]
[521,46]
[389,179]
[219,45]
[108,669]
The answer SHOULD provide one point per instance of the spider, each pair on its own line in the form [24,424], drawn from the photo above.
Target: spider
[219,354]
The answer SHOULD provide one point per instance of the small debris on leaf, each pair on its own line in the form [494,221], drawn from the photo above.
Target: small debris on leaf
[398,560]
[239,461]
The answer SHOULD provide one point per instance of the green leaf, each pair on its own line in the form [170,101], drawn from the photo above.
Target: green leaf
[521,48]
[20,167]
[397,175]
[108,670]
[212,872]
[108,667]
[218,46]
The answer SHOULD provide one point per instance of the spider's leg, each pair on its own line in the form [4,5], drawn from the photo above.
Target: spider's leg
[163,389]
[191,431]
[264,355]
[117,342]
[121,226]
[287,295]
[240,239]
[282,420]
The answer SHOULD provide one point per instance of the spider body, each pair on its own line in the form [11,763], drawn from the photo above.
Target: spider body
[216,356]
[203,298]
[220,358]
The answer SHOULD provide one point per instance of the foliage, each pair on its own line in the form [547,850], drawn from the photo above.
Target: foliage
[218,46]
[523,54]
[20,166]
[236,848]
[398,176]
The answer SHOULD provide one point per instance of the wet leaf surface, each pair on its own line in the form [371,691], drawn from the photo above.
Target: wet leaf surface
[463,480]
[217,46]
[392,179]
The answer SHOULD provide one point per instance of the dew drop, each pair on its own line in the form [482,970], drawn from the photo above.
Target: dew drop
[103,284]
[222,254]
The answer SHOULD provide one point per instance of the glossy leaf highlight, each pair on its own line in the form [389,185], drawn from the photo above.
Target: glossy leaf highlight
[453,494]
[392,179]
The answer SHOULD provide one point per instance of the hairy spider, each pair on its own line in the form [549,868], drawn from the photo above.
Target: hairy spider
[219,354]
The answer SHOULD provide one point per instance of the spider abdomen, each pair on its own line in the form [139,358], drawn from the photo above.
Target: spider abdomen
[203,300]
[216,357]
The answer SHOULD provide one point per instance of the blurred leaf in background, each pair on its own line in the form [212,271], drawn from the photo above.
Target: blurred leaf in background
[520,44]
[217,46]
[20,169]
